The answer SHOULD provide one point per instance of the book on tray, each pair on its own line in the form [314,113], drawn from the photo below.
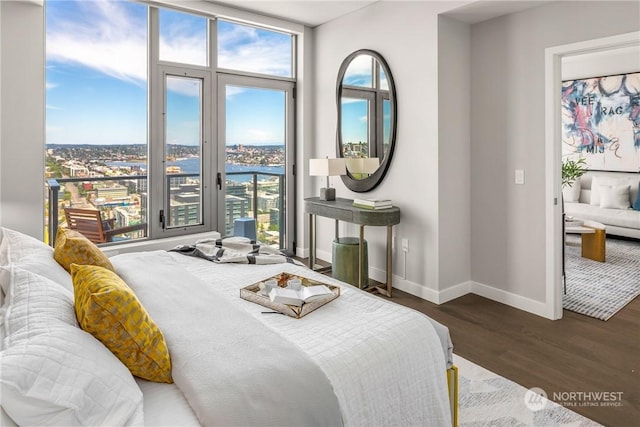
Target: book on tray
[299,296]
[372,203]
[307,294]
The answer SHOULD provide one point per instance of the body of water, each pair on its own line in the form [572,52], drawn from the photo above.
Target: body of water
[192,165]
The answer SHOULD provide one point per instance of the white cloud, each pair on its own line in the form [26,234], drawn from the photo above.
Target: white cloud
[233,91]
[184,49]
[259,135]
[184,86]
[50,85]
[106,39]
[346,100]
[243,49]
[51,107]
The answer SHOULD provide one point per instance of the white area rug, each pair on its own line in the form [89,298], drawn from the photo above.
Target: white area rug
[601,289]
[487,399]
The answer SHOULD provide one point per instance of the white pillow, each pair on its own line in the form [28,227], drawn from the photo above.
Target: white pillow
[51,371]
[596,186]
[615,197]
[4,248]
[33,255]
[34,305]
[65,377]
[571,193]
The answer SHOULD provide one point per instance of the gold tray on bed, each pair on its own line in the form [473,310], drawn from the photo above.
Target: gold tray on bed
[252,293]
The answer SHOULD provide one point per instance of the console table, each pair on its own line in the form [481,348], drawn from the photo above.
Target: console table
[343,210]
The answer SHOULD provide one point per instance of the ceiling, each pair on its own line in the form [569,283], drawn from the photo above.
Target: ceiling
[483,10]
[316,12]
[308,12]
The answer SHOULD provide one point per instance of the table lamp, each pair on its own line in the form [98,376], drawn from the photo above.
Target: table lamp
[327,167]
[359,166]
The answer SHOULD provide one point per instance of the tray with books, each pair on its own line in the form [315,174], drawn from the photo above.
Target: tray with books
[258,294]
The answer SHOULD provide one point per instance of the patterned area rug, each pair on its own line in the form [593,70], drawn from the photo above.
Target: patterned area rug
[601,289]
[487,399]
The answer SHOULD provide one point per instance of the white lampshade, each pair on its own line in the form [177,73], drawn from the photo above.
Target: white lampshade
[366,165]
[327,167]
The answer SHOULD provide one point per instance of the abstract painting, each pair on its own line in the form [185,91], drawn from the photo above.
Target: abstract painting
[601,122]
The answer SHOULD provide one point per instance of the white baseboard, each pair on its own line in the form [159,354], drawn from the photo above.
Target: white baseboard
[470,287]
[302,252]
[415,289]
[440,297]
[516,301]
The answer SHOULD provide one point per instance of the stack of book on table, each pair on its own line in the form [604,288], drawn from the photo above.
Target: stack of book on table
[372,203]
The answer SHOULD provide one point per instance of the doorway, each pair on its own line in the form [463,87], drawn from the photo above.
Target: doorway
[553,210]
[256,139]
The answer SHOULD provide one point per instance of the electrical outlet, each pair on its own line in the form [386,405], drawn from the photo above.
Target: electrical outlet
[405,245]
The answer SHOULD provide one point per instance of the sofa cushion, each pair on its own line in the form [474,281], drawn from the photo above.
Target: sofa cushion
[597,184]
[615,197]
[571,193]
[608,178]
[636,203]
[626,218]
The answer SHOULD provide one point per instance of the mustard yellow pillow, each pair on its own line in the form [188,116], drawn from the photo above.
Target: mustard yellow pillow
[73,248]
[109,310]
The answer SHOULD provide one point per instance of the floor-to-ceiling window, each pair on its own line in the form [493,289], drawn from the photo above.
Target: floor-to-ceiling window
[96,108]
[256,126]
[256,129]
[133,123]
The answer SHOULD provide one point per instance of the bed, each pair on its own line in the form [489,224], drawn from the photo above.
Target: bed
[358,360]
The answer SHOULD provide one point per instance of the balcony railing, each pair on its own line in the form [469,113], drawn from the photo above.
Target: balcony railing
[54,185]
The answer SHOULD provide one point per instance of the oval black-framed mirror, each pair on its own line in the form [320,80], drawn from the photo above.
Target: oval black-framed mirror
[367,118]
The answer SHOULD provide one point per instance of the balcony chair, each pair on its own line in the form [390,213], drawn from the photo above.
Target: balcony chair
[89,222]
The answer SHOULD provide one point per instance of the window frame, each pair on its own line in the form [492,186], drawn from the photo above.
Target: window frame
[212,150]
[288,86]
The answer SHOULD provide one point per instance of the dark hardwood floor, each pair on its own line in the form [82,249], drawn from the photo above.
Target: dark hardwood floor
[574,354]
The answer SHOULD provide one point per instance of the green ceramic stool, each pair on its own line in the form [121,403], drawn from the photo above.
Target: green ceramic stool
[345,261]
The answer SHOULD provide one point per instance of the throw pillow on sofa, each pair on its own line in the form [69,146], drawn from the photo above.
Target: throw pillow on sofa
[636,204]
[615,197]
[571,193]
[597,182]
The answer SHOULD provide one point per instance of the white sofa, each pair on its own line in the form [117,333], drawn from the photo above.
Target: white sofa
[606,197]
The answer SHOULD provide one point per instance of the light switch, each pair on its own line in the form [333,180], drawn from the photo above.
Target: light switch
[519,176]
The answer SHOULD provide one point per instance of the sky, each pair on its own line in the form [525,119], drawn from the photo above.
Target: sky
[96,75]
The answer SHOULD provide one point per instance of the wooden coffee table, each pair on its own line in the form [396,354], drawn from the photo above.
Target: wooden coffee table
[593,239]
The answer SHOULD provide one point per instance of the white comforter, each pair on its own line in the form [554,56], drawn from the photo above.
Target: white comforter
[384,362]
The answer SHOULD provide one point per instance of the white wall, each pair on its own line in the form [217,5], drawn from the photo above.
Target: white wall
[454,153]
[22,117]
[406,35]
[604,63]
[508,133]
[0,109]
[505,230]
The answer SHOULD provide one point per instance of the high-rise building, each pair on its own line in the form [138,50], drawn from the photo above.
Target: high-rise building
[235,207]
[112,192]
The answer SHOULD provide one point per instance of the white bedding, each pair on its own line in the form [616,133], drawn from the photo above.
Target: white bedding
[384,362]
[232,370]
[165,405]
